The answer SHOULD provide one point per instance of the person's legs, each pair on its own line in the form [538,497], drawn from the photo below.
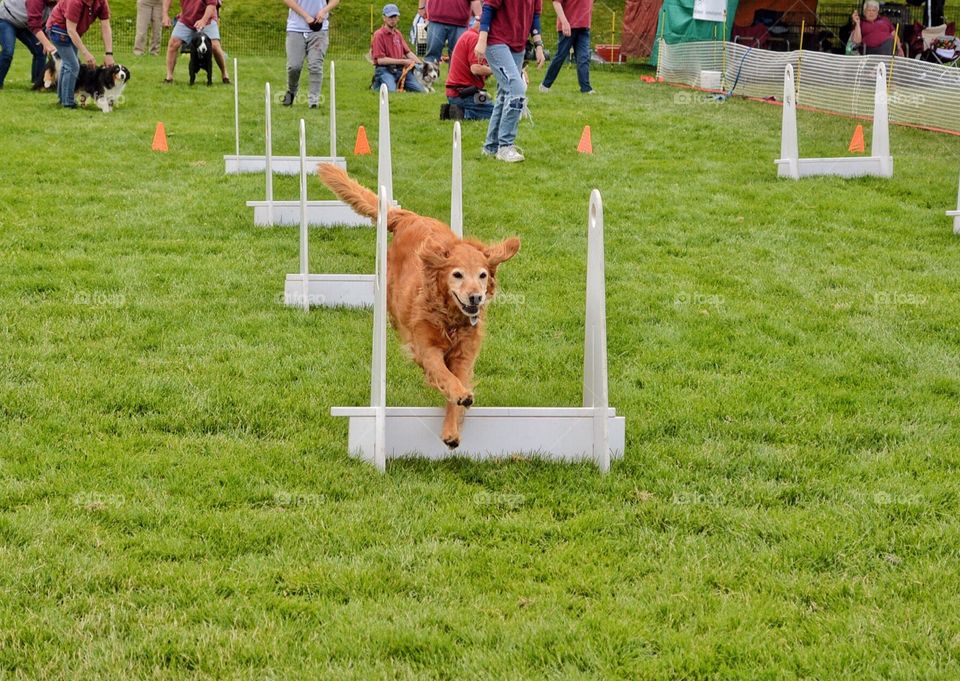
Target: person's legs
[156,27]
[471,110]
[317,45]
[181,34]
[36,49]
[581,53]
[383,76]
[438,35]
[511,95]
[8,39]
[411,83]
[70,67]
[453,37]
[564,44]
[143,22]
[296,53]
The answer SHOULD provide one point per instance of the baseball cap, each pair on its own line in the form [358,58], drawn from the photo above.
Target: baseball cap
[391,10]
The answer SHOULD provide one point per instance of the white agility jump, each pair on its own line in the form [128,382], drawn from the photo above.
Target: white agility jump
[879,162]
[955,214]
[592,432]
[272,213]
[281,165]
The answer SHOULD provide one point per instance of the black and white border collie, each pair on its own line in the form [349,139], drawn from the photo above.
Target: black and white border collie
[103,84]
[201,57]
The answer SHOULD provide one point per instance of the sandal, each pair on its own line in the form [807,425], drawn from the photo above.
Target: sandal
[168,81]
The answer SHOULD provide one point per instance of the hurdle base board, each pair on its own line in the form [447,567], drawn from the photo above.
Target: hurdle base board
[553,434]
[955,214]
[841,166]
[319,214]
[280,165]
[330,290]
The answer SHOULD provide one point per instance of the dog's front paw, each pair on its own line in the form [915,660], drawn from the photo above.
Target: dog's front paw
[465,401]
[451,441]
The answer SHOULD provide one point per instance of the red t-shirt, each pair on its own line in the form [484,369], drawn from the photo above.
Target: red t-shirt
[875,33]
[463,57]
[578,13]
[512,22]
[389,43]
[83,12]
[191,11]
[454,12]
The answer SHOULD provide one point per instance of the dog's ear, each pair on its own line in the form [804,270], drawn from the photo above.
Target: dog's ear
[433,255]
[498,253]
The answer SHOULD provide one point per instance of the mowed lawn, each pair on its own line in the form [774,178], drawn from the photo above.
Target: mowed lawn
[175,499]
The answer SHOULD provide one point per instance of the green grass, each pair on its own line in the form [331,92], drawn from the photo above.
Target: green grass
[175,499]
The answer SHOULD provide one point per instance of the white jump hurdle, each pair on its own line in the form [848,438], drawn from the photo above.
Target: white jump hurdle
[338,290]
[281,165]
[456,184]
[272,213]
[955,214]
[879,162]
[592,432]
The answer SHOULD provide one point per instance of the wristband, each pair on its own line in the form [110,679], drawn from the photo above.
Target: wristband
[109,54]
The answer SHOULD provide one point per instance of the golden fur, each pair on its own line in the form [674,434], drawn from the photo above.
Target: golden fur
[438,287]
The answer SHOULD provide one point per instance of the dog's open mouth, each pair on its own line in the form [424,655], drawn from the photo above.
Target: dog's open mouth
[472,311]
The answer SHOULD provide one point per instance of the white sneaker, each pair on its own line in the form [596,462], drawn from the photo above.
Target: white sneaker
[544,88]
[509,154]
[486,153]
[590,92]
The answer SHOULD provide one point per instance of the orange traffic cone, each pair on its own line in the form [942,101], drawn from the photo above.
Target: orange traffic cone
[160,139]
[362,147]
[856,142]
[585,146]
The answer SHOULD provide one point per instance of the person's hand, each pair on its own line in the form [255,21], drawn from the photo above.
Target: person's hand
[90,60]
[412,62]
[565,28]
[50,49]
[855,17]
[540,58]
[199,26]
[481,47]
[166,21]
[108,60]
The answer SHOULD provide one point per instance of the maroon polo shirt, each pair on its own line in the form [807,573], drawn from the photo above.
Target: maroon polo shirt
[578,13]
[191,11]
[512,22]
[83,12]
[389,43]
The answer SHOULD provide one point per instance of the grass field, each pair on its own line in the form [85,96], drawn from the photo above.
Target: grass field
[176,501]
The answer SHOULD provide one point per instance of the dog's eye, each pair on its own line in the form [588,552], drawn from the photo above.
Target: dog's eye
[458,275]
[483,275]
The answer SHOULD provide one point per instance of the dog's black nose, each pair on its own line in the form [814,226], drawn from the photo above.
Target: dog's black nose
[476,298]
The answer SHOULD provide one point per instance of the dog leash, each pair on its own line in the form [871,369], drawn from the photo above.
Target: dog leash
[401,83]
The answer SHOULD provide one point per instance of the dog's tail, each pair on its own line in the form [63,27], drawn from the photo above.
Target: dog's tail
[349,190]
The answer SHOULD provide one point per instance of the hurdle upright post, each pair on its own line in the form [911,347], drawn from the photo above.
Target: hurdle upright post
[384,166]
[378,369]
[236,108]
[955,214]
[304,229]
[268,142]
[789,146]
[880,138]
[456,185]
[333,109]
[595,393]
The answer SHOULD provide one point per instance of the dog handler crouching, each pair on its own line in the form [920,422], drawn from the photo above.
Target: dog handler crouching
[466,79]
[505,24]
[69,20]
[308,37]
[196,16]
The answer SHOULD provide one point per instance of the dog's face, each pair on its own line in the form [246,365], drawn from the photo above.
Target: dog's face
[467,272]
[429,73]
[116,75]
[200,45]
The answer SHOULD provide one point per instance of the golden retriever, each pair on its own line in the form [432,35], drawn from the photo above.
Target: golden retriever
[438,287]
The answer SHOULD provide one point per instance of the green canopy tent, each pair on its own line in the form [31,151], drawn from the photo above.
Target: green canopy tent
[677,25]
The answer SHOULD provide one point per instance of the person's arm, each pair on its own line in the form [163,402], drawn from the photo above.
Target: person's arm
[326,9]
[209,14]
[78,43]
[476,6]
[486,18]
[107,34]
[295,6]
[562,18]
[855,35]
[537,40]
[481,70]
[35,24]
[166,14]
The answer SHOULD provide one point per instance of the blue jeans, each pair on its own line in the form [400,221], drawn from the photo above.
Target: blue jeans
[471,110]
[9,34]
[69,70]
[439,35]
[390,76]
[579,40]
[511,97]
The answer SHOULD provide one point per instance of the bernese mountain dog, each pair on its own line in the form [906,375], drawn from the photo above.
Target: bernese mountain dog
[103,84]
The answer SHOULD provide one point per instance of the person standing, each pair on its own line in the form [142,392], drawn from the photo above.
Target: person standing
[196,16]
[66,26]
[467,77]
[393,61]
[308,37]
[448,20]
[23,20]
[505,25]
[573,31]
[418,30]
[149,16]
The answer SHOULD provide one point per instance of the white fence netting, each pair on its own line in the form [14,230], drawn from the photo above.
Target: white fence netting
[920,93]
